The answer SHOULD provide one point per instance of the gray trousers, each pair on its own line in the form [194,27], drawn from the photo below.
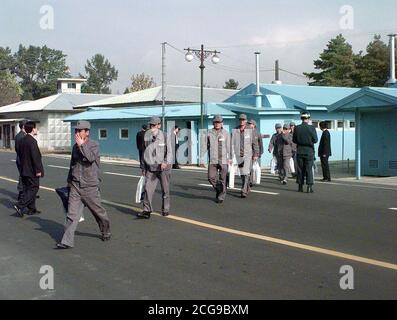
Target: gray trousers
[217,174]
[245,180]
[284,168]
[91,198]
[150,187]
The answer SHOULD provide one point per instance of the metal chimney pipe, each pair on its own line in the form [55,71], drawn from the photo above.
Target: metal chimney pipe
[277,73]
[392,45]
[258,94]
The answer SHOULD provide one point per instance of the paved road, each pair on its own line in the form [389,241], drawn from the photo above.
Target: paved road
[277,244]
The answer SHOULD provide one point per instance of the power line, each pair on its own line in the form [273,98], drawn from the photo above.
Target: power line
[293,73]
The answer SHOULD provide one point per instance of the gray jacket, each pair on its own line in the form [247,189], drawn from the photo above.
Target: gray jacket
[217,144]
[245,146]
[84,165]
[287,145]
[158,150]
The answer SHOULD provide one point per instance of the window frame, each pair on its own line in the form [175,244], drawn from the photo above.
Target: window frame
[99,133]
[128,133]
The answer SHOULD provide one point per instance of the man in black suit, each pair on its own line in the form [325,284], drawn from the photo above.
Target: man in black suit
[175,146]
[140,144]
[18,139]
[305,137]
[31,171]
[324,151]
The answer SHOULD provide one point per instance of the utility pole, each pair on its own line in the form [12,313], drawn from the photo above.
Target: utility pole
[163,83]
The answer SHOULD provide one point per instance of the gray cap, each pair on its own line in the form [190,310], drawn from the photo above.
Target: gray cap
[252,122]
[82,124]
[285,126]
[278,126]
[292,124]
[243,117]
[154,120]
[218,118]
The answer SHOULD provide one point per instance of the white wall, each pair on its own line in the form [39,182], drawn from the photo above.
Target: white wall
[58,132]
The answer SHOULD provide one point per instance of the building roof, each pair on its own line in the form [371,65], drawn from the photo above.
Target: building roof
[368,98]
[173,93]
[276,96]
[57,102]
[171,111]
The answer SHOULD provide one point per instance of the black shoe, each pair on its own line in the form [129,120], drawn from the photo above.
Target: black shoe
[106,237]
[143,215]
[300,188]
[165,214]
[62,246]
[33,212]
[37,197]
[310,189]
[243,196]
[284,182]
[18,211]
[219,201]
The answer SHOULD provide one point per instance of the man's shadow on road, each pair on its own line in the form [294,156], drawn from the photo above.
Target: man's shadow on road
[54,229]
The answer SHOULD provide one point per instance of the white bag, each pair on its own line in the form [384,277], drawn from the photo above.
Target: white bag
[139,189]
[256,173]
[292,165]
[273,165]
[232,173]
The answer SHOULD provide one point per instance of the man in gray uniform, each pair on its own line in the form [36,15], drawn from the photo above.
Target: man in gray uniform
[292,127]
[246,150]
[83,181]
[305,136]
[18,139]
[259,138]
[217,143]
[285,154]
[158,160]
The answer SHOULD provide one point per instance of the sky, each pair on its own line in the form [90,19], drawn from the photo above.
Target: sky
[130,32]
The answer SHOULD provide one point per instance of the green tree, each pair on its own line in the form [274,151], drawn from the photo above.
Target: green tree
[231,84]
[7,61]
[372,69]
[141,82]
[100,75]
[337,64]
[10,90]
[39,68]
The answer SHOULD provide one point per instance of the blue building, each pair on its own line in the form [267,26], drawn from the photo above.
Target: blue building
[115,128]
[376,130]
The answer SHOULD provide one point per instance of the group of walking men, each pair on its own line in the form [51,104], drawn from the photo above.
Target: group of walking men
[157,154]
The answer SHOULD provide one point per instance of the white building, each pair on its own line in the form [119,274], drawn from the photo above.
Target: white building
[49,112]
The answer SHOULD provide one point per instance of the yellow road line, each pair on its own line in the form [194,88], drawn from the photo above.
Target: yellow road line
[287,243]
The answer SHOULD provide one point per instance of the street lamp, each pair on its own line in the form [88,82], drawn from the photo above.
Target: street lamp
[202,55]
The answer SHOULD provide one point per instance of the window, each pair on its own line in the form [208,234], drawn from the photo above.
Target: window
[103,134]
[341,124]
[124,134]
[13,133]
[315,123]
[352,124]
[1,133]
[72,85]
